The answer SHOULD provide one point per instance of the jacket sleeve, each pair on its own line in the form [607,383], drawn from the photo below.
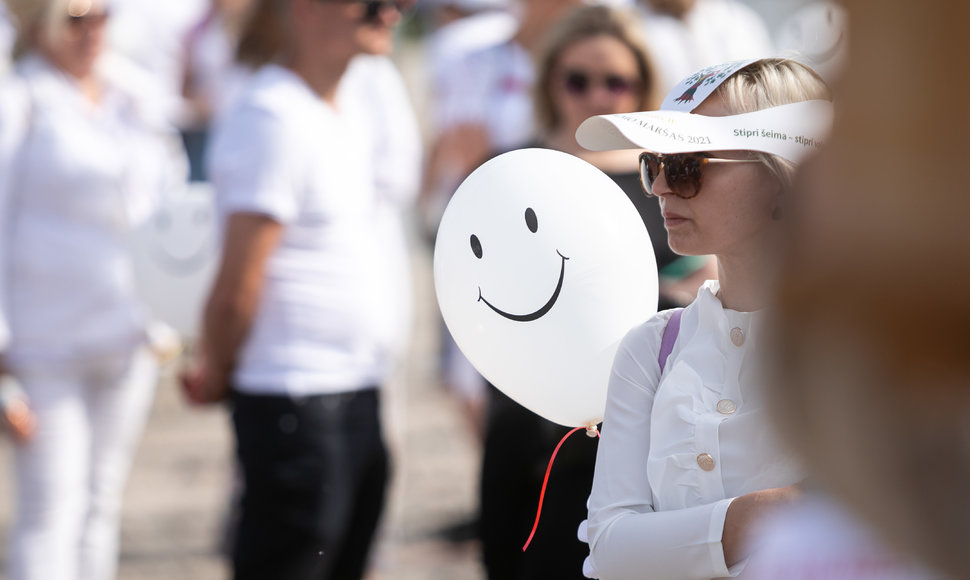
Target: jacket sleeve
[628,537]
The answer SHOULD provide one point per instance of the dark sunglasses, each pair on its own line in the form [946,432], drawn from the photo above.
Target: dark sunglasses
[684,172]
[579,83]
[373,8]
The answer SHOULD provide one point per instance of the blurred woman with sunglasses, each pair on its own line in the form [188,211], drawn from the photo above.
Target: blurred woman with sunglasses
[82,160]
[687,460]
[299,328]
[595,63]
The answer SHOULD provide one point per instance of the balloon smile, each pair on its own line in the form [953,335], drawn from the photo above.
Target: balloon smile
[538,313]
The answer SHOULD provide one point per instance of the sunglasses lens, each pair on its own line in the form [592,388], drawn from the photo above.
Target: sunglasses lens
[682,172]
[576,83]
[649,169]
[617,85]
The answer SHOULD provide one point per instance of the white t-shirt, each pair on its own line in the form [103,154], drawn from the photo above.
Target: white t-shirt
[324,323]
[374,83]
[492,86]
[448,47]
[677,448]
[75,178]
[715,31]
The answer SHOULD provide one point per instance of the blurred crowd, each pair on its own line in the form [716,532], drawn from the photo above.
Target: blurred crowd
[291,135]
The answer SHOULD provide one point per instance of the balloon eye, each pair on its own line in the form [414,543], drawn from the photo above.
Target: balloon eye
[531,220]
[476,246]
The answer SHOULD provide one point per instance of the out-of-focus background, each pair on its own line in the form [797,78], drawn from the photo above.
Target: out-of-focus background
[178,497]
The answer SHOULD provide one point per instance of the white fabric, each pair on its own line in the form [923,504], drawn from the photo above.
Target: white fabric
[70,477]
[329,317]
[395,164]
[818,539]
[652,507]
[715,31]
[152,35]
[215,74]
[72,186]
[450,45]
[492,86]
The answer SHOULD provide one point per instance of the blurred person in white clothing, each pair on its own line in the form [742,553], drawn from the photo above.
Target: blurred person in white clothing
[486,106]
[818,538]
[152,35]
[688,35]
[301,329]
[83,161]
[461,27]
[211,79]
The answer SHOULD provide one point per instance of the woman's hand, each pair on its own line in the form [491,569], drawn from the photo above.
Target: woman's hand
[742,514]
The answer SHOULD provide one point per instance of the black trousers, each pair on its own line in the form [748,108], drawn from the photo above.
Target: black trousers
[315,472]
[518,445]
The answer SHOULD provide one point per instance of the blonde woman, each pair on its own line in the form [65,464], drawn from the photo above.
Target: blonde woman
[81,161]
[687,462]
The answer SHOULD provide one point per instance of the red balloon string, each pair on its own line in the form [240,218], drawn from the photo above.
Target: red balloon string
[545,481]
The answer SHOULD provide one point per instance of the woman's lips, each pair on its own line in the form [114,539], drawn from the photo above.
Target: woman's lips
[672,219]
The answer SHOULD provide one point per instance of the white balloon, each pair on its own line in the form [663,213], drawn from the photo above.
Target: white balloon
[175,255]
[541,265]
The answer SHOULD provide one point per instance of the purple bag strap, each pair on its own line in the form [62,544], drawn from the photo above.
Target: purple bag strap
[669,338]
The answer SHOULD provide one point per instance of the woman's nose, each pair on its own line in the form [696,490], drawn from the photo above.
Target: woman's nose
[660,185]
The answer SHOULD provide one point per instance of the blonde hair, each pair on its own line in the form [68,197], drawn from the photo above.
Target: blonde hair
[771,82]
[31,16]
[580,24]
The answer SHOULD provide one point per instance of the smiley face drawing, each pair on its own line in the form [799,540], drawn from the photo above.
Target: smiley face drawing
[541,265]
[533,224]
[175,256]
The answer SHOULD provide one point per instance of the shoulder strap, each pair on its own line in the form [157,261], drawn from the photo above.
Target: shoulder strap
[669,338]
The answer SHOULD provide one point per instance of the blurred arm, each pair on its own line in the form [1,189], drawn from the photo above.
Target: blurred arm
[249,242]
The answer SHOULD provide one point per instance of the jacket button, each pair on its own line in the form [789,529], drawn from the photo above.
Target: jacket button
[705,462]
[737,336]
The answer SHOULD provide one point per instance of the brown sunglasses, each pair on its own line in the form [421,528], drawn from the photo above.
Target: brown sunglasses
[684,172]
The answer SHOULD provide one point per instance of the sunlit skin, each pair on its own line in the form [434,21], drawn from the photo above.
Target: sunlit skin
[328,34]
[731,214]
[74,45]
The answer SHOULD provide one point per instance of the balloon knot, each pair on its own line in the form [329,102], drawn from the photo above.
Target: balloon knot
[592,432]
